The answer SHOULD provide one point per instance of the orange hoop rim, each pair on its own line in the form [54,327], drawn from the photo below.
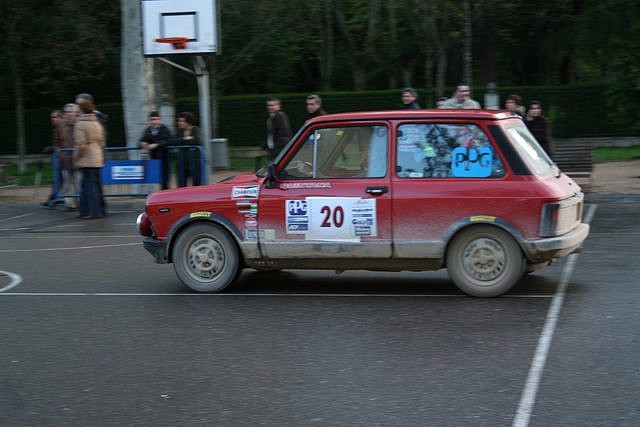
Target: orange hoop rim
[177,42]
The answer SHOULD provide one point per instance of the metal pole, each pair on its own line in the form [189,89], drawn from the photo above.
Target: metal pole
[202,75]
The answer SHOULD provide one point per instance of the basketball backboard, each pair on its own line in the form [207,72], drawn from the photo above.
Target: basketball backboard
[167,19]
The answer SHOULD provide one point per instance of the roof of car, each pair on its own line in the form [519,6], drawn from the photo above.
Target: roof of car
[417,114]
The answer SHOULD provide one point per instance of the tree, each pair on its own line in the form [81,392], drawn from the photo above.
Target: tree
[357,21]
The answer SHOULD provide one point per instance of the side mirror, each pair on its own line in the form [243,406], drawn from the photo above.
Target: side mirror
[271,181]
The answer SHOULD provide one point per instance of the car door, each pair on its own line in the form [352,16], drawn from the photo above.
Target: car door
[331,196]
[445,172]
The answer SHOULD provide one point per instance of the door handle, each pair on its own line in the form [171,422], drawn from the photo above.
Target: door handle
[376,191]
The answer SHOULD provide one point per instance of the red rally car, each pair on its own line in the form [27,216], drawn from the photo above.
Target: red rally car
[467,190]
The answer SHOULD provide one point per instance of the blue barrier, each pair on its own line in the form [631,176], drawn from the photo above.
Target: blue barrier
[146,174]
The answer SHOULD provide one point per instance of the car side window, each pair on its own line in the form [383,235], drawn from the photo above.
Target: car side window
[340,152]
[445,151]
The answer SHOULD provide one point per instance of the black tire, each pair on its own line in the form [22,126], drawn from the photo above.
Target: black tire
[206,258]
[485,261]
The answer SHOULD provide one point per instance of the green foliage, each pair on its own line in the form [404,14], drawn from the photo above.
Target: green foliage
[574,111]
[607,154]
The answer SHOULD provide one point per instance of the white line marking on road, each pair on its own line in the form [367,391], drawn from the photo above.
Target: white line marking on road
[69,249]
[7,186]
[16,217]
[363,295]
[15,280]
[528,397]
[14,229]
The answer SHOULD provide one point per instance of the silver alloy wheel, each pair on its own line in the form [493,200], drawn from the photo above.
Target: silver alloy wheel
[484,259]
[205,258]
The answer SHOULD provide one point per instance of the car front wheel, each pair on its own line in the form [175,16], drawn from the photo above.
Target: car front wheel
[484,261]
[205,258]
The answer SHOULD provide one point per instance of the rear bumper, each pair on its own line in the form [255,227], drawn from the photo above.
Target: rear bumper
[157,248]
[555,247]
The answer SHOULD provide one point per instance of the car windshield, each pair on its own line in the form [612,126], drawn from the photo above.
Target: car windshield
[527,145]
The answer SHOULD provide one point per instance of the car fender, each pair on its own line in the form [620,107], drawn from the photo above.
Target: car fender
[196,217]
[458,226]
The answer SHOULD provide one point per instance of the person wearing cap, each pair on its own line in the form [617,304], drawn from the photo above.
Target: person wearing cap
[410,99]
[154,140]
[314,106]
[461,99]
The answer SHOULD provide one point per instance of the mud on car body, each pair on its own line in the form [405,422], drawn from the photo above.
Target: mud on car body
[470,191]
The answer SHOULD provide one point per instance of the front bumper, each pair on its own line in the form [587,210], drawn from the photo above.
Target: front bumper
[555,247]
[157,248]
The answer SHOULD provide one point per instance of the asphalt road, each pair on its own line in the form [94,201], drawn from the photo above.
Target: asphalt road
[94,333]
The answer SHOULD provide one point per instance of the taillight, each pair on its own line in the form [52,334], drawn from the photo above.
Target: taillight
[143,224]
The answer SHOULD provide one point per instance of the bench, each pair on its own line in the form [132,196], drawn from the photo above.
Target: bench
[575,158]
[256,153]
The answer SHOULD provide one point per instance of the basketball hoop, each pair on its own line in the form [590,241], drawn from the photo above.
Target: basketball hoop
[177,42]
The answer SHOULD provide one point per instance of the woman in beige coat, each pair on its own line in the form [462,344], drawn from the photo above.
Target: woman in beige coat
[89,158]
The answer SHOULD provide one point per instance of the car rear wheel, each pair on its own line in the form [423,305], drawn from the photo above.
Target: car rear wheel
[484,261]
[205,258]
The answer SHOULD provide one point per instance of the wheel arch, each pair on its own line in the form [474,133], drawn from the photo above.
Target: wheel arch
[188,220]
[478,220]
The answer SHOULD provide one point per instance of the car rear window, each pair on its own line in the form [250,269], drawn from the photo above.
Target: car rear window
[529,148]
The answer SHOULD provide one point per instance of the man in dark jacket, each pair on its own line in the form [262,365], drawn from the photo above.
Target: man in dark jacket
[410,99]
[278,128]
[314,106]
[155,140]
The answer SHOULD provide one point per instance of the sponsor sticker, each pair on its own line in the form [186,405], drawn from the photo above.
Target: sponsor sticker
[297,216]
[304,185]
[200,215]
[251,223]
[482,218]
[251,234]
[245,192]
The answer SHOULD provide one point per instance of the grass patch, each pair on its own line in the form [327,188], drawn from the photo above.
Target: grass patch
[29,178]
[608,154]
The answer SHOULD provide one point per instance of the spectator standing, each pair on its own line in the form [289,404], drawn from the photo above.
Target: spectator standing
[71,113]
[539,127]
[410,99]
[188,134]
[461,99]
[314,106]
[89,158]
[102,117]
[513,104]
[278,128]
[154,140]
[57,124]
[440,102]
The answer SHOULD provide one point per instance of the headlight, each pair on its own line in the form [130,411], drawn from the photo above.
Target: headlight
[143,224]
[561,217]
